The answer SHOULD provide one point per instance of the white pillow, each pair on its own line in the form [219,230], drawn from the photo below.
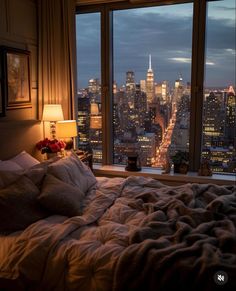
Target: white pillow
[74,172]
[9,166]
[24,160]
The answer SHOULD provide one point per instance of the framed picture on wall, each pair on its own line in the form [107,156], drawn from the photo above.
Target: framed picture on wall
[16,77]
[2,101]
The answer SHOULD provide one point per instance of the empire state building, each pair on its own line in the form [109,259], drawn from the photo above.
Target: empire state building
[150,82]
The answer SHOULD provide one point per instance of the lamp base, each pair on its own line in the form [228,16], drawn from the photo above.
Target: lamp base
[53,129]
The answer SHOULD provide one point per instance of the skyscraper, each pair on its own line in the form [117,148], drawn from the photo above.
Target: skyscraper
[130,88]
[130,82]
[230,122]
[150,83]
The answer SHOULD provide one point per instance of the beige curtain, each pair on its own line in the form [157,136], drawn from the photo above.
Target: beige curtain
[57,61]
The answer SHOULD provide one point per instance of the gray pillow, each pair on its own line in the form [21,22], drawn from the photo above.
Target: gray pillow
[74,172]
[8,177]
[60,198]
[19,206]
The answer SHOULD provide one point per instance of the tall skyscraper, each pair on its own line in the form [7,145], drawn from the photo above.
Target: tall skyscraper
[213,129]
[130,88]
[150,83]
[130,82]
[143,85]
[230,122]
[94,86]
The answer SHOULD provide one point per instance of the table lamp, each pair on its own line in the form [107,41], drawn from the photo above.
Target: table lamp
[52,113]
[67,129]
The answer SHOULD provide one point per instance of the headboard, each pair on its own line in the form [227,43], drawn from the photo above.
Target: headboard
[16,136]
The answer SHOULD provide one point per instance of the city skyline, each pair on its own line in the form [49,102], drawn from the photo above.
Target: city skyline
[153,120]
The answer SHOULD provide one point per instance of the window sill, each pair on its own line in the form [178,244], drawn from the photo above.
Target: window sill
[169,179]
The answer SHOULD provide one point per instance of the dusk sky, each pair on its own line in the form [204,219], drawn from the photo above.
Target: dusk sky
[164,32]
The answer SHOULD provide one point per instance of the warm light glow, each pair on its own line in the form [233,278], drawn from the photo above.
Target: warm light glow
[66,128]
[52,112]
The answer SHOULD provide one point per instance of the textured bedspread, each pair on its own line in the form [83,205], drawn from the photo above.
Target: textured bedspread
[187,236]
[134,234]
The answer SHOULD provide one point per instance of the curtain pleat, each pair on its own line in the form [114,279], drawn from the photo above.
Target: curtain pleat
[57,57]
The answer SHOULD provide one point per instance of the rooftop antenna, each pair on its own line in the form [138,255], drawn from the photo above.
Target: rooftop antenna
[150,62]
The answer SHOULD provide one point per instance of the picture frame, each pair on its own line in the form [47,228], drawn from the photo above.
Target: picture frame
[2,99]
[15,78]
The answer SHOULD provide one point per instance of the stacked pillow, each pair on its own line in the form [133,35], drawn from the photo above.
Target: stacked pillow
[22,161]
[74,172]
[65,186]
[18,205]
[61,198]
[36,191]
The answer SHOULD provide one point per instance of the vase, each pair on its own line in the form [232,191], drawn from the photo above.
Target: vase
[51,155]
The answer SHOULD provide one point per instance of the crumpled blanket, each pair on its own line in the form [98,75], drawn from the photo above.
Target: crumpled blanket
[134,234]
[187,236]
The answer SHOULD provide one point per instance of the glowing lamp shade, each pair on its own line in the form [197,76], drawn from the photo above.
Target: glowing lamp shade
[52,112]
[66,128]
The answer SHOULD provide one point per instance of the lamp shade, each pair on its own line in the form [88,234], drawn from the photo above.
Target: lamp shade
[66,128]
[52,112]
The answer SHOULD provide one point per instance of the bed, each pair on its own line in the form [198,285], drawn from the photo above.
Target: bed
[84,233]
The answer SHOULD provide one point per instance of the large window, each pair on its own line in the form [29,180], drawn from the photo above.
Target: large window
[152,74]
[148,84]
[219,104]
[89,84]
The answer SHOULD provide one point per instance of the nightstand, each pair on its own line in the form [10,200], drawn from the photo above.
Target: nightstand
[86,158]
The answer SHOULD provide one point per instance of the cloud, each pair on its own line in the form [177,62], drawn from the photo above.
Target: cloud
[231,51]
[181,60]
[166,36]
[208,63]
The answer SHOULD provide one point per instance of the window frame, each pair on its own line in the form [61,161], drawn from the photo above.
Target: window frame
[197,71]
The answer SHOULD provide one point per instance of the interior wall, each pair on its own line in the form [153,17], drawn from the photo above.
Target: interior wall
[18,29]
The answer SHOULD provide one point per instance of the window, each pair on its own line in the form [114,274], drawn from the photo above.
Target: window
[152,74]
[219,104]
[149,96]
[89,84]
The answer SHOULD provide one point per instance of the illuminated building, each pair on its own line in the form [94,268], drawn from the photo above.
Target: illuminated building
[147,144]
[83,122]
[219,130]
[143,85]
[165,92]
[230,117]
[130,81]
[222,158]
[150,83]
[94,86]
[178,91]
[158,90]
[140,105]
[95,132]
[95,116]
[115,88]
[213,127]
[130,88]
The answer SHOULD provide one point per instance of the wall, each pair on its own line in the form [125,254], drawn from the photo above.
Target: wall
[18,29]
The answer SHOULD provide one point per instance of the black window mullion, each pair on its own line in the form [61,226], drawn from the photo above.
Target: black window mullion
[197,79]
[106,60]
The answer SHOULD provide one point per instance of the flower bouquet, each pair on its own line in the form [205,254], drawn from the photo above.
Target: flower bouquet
[50,146]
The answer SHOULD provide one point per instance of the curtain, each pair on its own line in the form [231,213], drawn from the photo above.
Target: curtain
[57,54]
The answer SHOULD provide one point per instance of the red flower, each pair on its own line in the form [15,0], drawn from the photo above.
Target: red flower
[50,146]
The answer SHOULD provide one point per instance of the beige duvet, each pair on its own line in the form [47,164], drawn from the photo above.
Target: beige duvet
[130,231]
